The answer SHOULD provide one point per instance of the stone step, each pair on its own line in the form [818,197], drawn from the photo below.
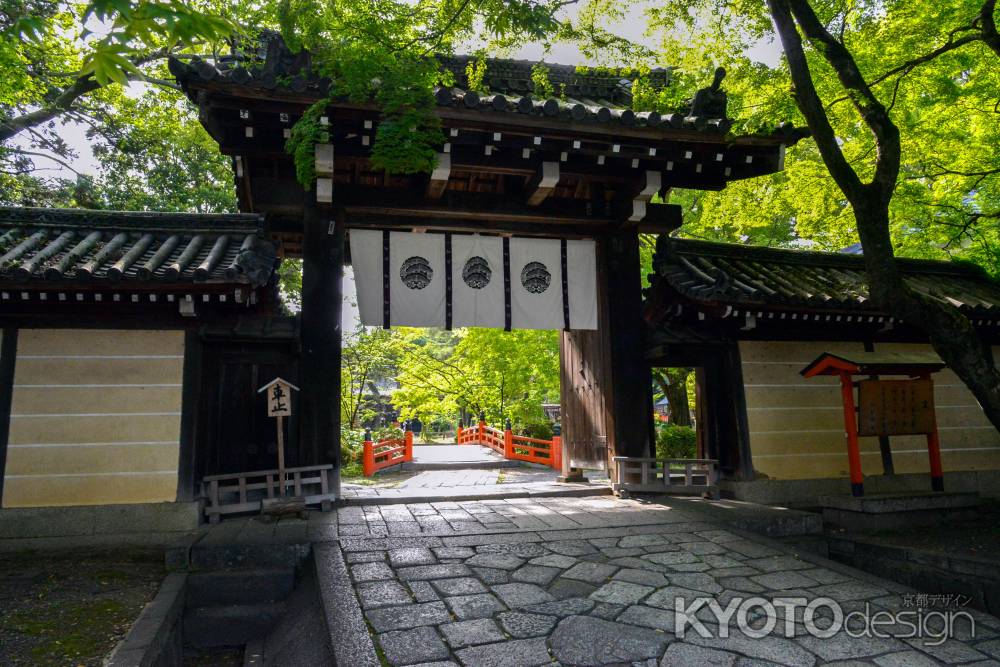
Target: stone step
[247,556]
[762,519]
[463,465]
[230,625]
[236,587]
[301,636]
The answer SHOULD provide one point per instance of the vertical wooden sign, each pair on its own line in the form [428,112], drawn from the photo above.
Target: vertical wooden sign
[279,405]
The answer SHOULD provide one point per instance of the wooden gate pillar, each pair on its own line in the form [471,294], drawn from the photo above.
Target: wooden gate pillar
[631,387]
[322,291]
[606,387]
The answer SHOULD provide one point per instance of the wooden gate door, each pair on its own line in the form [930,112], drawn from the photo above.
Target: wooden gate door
[584,413]
[238,435]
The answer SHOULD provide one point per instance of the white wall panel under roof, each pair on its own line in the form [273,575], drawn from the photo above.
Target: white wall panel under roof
[797,425]
[95,417]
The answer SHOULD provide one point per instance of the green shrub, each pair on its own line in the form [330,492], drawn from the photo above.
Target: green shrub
[386,433]
[536,429]
[440,424]
[675,442]
[352,443]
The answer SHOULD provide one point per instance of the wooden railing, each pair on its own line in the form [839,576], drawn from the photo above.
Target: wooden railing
[244,491]
[468,435]
[492,438]
[673,476]
[513,447]
[535,450]
[386,453]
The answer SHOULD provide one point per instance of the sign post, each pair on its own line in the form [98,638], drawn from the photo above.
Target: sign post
[279,405]
[885,407]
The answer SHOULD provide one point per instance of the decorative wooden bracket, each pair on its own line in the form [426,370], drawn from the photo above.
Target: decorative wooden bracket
[439,177]
[542,185]
[324,173]
[654,181]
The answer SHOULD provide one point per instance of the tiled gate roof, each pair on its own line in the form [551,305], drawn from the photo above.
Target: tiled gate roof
[74,245]
[770,278]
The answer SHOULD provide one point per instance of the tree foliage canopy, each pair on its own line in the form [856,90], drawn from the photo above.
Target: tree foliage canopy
[102,67]
[947,199]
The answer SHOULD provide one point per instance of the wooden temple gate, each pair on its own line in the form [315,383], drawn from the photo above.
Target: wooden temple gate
[585,166]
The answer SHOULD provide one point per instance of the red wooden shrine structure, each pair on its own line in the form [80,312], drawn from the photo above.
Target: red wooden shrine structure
[893,407]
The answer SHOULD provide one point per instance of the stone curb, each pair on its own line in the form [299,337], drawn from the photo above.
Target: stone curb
[155,637]
[349,637]
[771,521]
[444,496]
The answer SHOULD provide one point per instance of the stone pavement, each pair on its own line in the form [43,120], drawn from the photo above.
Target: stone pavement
[593,581]
[474,483]
[473,477]
[455,454]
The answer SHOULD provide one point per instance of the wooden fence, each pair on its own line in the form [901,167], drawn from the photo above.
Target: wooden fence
[244,491]
[673,476]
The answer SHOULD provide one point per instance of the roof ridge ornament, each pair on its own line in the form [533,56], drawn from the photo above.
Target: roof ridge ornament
[712,101]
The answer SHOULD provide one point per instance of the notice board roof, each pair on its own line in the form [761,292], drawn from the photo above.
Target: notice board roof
[874,363]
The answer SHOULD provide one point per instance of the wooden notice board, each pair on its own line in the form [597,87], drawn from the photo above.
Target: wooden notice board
[895,407]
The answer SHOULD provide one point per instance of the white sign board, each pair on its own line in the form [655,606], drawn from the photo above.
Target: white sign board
[279,397]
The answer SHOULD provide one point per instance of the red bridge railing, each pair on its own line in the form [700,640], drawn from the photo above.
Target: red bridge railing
[387,452]
[513,447]
[394,451]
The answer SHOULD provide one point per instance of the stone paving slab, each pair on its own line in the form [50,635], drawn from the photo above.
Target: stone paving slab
[480,489]
[599,586]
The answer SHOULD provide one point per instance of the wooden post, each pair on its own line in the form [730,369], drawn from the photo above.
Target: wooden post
[508,441]
[934,452]
[556,449]
[630,383]
[555,453]
[279,406]
[884,445]
[368,455]
[851,426]
[605,383]
[482,428]
[407,445]
[322,291]
[458,434]
[281,455]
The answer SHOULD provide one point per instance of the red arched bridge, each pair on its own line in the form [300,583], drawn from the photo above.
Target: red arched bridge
[394,451]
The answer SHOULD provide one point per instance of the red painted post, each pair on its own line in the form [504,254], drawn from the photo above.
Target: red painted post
[458,434]
[555,452]
[851,426]
[508,441]
[368,457]
[934,450]
[408,446]
[482,428]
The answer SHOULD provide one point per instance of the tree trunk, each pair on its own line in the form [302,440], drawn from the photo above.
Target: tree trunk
[950,333]
[677,396]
